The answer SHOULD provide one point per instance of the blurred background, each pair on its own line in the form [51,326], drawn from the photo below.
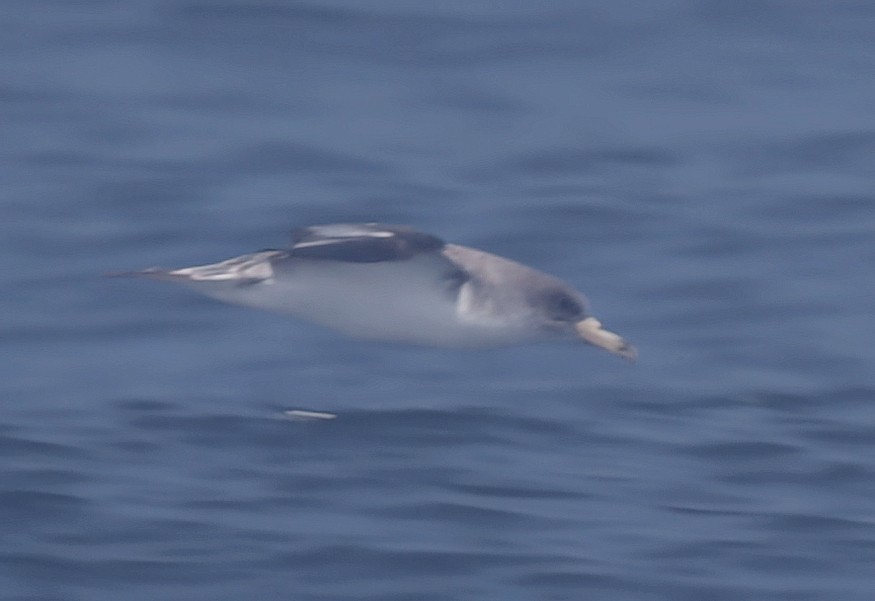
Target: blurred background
[703,170]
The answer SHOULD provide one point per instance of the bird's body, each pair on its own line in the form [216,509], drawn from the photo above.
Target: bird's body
[394,283]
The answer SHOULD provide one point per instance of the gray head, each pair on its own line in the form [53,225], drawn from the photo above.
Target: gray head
[564,312]
[557,307]
[499,285]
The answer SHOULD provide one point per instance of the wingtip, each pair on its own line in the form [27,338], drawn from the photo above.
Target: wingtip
[152,272]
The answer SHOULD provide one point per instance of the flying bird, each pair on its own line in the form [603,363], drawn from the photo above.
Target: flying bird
[394,283]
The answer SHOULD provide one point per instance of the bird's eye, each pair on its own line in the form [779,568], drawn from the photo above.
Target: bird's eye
[564,308]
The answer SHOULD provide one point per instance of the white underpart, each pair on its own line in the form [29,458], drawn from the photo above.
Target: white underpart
[404,301]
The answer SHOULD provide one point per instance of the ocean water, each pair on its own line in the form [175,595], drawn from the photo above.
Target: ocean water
[703,170]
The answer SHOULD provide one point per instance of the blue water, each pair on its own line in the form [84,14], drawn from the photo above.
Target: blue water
[702,170]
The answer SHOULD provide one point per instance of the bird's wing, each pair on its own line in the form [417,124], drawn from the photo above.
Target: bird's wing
[362,243]
[374,243]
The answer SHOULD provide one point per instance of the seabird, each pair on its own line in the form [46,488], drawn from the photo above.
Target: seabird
[393,283]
